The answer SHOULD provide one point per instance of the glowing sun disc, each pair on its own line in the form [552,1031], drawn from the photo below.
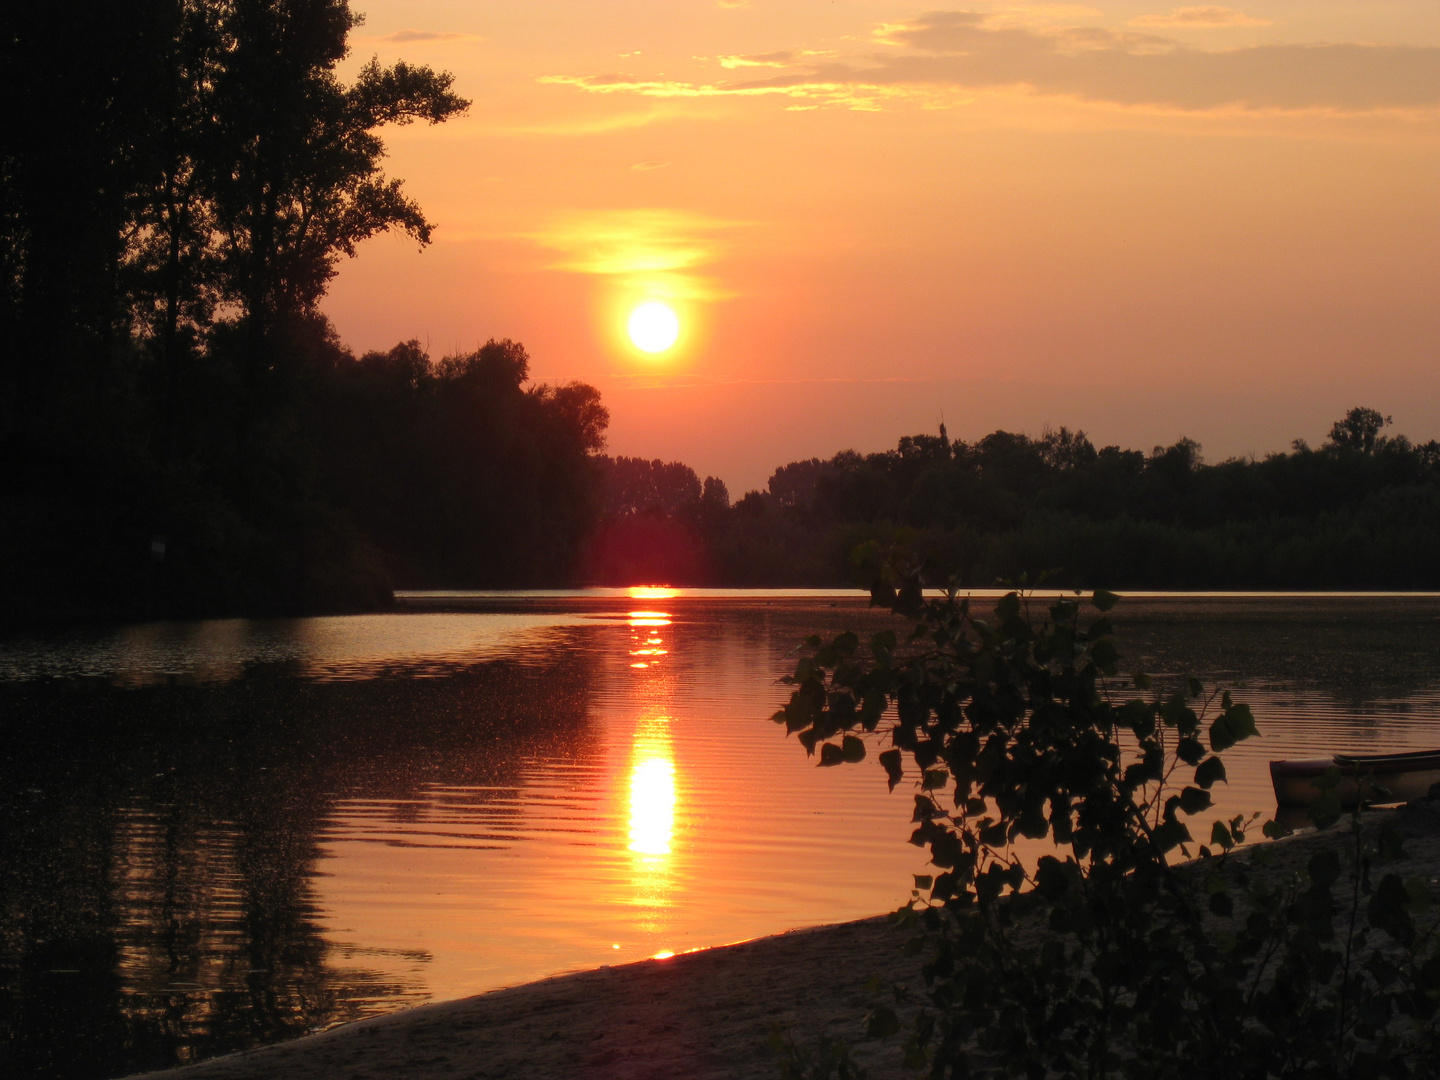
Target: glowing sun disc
[653,327]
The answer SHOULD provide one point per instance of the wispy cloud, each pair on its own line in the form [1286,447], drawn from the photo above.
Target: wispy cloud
[849,92]
[1206,17]
[649,166]
[772,59]
[579,126]
[663,250]
[426,35]
[937,56]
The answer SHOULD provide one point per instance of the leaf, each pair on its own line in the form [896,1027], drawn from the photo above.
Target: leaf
[1104,653]
[852,749]
[1273,830]
[1178,715]
[1193,800]
[1209,772]
[1388,908]
[1419,895]
[882,1023]
[925,809]
[890,761]
[1222,733]
[935,778]
[924,881]
[1141,680]
[1324,867]
[1244,721]
[830,754]
[1008,607]
[1138,716]
[1220,836]
[1234,724]
[871,710]
[1190,750]
[1104,600]
[1392,841]
[1171,834]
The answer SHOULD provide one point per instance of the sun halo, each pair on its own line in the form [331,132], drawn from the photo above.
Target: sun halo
[653,327]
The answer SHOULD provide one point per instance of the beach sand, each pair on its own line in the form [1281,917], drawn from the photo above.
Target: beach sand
[699,1016]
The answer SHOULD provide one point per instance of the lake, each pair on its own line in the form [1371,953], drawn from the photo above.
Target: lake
[225,833]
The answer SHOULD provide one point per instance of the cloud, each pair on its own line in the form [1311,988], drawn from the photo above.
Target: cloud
[772,59]
[649,166]
[426,35]
[855,94]
[664,249]
[952,52]
[1207,16]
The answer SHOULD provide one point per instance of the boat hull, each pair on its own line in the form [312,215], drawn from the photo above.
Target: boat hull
[1365,779]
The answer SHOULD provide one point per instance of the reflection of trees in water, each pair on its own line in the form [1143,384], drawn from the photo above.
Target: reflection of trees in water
[160,846]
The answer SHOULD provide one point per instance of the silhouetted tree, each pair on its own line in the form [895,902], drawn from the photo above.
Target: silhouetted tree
[178,179]
[1359,430]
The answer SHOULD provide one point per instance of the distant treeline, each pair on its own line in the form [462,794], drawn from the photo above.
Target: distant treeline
[1361,511]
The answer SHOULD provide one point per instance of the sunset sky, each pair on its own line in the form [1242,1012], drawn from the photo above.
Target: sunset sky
[1138,219]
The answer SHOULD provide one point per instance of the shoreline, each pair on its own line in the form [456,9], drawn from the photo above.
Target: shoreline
[706,1015]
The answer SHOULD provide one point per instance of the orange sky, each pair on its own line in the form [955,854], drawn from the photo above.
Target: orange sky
[1138,219]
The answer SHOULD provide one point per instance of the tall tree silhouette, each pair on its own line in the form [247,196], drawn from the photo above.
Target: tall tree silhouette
[178,181]
[296,175]
[1359,430]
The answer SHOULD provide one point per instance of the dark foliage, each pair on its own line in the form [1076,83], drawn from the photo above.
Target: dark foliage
[457,473]
[658,523]
[1097,954]
[182,433]
[1361,511]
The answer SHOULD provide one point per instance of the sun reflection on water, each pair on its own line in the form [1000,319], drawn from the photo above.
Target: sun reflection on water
[652,798]
[652,786]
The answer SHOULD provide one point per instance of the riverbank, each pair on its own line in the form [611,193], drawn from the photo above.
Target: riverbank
[703,1016]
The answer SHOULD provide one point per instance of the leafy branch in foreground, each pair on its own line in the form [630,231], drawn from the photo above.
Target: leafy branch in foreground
[1069,932]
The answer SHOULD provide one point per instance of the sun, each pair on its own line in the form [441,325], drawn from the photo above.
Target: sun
[653,327]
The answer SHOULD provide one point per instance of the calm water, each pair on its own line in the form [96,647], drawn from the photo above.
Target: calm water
[226,833]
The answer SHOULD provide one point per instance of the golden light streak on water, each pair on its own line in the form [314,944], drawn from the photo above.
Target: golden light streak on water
[652,824]
[652,800]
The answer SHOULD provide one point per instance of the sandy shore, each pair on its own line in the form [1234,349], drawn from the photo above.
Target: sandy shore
[698,1016]
[701,1016]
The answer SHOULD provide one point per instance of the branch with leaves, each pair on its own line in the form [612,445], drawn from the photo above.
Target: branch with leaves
[1126,948]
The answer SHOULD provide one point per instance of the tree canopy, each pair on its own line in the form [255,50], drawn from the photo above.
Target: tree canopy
[179,182]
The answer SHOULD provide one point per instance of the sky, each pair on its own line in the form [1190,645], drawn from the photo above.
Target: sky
[1141,220]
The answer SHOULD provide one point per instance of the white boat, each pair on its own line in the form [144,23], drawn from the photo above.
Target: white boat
[1370,779]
